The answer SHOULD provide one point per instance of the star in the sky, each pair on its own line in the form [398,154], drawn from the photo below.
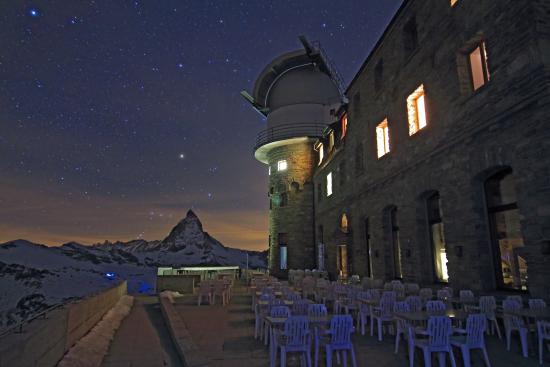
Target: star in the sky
[181,156]
[34,12]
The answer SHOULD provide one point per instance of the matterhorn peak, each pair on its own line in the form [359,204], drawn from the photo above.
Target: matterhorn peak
[187,231]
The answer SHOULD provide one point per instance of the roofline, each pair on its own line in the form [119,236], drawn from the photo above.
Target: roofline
[392,22]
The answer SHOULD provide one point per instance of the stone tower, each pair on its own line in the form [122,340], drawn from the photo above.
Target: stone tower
[299,93]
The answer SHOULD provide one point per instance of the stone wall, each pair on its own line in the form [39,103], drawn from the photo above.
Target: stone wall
[296,217]
[469,135]
[44,341]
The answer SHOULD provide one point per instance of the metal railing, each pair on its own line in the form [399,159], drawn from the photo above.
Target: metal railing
[288,131]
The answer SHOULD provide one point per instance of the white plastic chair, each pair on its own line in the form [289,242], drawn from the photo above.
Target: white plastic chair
[399,290]
[466,295]
[426,294]
[443,294]
[205,290]
[339,340]
[401,325]
[439,341]
[488,305]
[220,291]
[296,337]
[276,311]
[474,338]
[514,323]
[381,314]
[300,307]
[543,334]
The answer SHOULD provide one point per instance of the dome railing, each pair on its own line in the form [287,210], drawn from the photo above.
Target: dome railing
[289,131]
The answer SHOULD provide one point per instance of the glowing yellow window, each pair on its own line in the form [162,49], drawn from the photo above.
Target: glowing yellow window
[416,108]
[344,125]
[329,184]
[478,66]
[282,165]
[321,150]
[453,2]
[383,138]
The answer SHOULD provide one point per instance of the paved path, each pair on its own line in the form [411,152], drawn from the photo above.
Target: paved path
[142,340]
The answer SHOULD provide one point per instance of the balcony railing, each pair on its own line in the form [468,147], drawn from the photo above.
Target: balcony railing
[289,131]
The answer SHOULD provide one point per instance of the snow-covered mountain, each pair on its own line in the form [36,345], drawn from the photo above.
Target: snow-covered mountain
[34,276]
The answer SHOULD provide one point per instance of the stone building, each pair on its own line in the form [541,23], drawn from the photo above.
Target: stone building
[437,169]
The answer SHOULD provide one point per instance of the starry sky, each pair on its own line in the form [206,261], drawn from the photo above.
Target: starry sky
[117,116]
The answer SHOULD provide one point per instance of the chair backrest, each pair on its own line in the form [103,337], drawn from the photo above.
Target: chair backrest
[537,304]
[543,329]
[266,297]
[373,294]
[516,298]
[435,306]
[426,294]
[279,311]
[439,331]
[390,295]
[377,283]
[300,307]
[386,305]
[401,306]
[291,296]
[443,294]
[316,310]
[412,288]
[388,286]
[450,290]
[475,330]
[204,287]
[399,289]
[466,295]
[276,302]
[488,305]
[296,331]
[415,303]
[512,321]
[341,328]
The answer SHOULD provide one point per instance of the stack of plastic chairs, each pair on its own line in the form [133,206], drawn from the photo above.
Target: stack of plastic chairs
[439,332]
[514,323]
[412,288]
[537,304]
[260,311]
[474,338]
[300,306]
[399,290]
[276,311]
[338,339]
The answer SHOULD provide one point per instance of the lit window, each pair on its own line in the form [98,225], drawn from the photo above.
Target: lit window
[383,138]
[478,66]
[321,150]
[282,165]
[344,125]
[329,184]
[453,2]
[344,223]
[331,141]
[269,170]
[416,107]
[283,257]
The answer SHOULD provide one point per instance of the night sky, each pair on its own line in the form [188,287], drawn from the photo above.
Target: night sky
[116,116]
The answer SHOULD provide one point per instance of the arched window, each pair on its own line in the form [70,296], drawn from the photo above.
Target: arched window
[437,237]
[508,246]
[344,223]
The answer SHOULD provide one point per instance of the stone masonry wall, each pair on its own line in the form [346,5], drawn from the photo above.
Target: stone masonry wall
[469,136]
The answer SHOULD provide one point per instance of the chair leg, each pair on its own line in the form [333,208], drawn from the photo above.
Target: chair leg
[380,330]
[316,356]
[427,357]
[396,342]
[486,357]
[283,357]
[508,337]
[345,357]
[452,356]
[466,355]
[308,358]
[328,352]
[441,359]
[523,338]
[411,355]
[353,360]
[495,322]
[371,326]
